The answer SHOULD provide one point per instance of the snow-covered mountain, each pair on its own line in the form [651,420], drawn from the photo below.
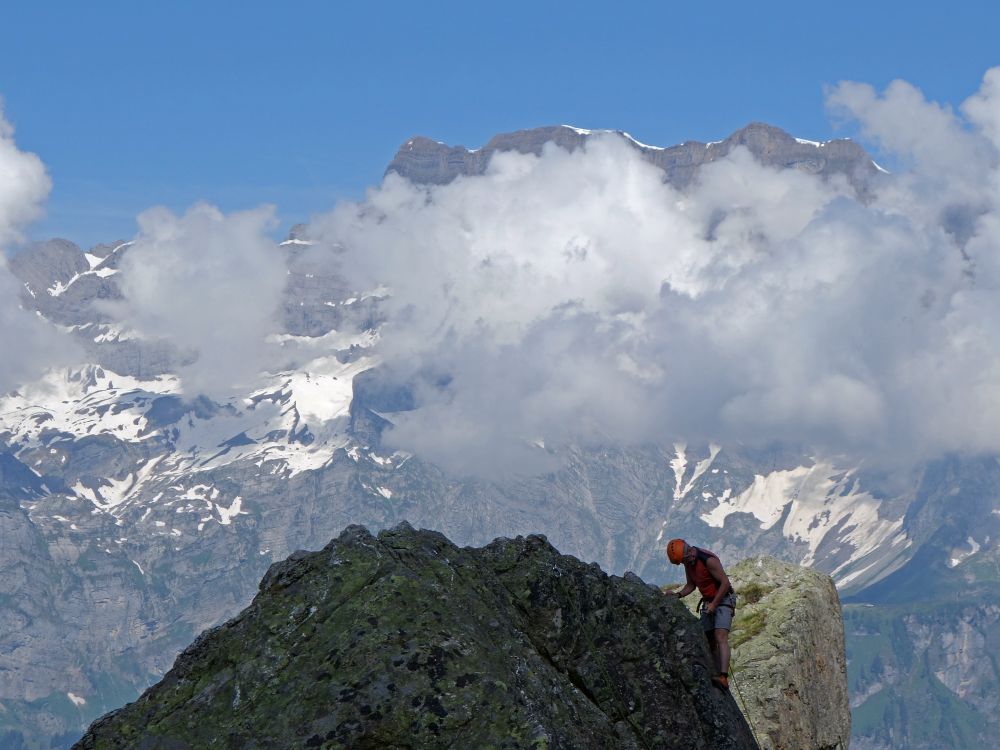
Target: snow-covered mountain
[131,518]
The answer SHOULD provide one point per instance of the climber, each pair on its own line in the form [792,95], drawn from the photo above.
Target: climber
[718,600]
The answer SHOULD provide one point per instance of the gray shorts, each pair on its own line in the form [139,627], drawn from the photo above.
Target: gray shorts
[723,617]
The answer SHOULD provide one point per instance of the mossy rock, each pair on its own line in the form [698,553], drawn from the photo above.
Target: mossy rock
[789,665]
[788,668]
[405,640]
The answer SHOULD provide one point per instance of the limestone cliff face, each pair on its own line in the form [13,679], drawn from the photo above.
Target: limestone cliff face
[405,640]
[918,675]
[788,658]
[429,162]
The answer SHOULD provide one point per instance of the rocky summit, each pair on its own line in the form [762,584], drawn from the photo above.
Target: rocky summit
[405,640]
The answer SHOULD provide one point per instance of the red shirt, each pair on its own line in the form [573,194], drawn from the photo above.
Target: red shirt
[700,575]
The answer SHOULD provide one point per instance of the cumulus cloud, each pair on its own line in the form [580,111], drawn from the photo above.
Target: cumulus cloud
[211,284]
[24,185]
[28,343]
[576,297]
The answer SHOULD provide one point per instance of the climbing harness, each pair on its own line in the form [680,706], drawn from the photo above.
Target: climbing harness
[704,601]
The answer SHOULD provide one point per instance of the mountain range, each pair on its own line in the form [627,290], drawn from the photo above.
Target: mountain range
[133,518]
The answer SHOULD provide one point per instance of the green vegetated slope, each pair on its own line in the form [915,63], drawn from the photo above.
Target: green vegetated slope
[925,674]
[405,640]
[922,646]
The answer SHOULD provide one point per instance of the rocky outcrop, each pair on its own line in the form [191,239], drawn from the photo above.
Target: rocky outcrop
[789,661]
[405,640]
[425,161]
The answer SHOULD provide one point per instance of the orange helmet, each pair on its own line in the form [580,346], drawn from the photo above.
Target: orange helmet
[675,551]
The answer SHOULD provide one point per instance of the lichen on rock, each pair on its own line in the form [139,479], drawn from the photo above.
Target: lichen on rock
[789,660]
[405,640]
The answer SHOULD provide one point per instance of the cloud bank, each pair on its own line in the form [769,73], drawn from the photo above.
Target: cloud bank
[575,297]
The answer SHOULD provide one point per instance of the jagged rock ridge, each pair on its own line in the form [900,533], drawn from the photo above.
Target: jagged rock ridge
[406,640]
[426,161]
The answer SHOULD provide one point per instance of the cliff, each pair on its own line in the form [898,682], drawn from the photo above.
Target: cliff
[425,161]
[406,640]
[788,657]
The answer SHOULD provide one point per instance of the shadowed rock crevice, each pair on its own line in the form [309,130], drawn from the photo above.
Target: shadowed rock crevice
[406,640]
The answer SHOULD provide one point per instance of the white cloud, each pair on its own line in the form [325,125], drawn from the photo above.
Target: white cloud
[24,185]
[575,296]
[211,284]
[28,343]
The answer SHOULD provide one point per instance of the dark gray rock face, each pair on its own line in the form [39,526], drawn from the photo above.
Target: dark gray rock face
[43,264]
[429,162]
[314,292]
[405,640]
[424,161]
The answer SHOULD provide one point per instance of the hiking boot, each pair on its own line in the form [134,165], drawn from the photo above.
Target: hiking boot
[721,681]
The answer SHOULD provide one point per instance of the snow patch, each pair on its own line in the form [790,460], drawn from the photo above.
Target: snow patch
[379,292]
[93,261]
[678,464]
[227,515]
[58,288]
[640,144]
[82,401]
[701,467]
[818,499]
[623,134]
[325,391]
[114,332]
[963,555]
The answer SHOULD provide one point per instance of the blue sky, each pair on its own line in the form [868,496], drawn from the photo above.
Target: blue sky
[301,103]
